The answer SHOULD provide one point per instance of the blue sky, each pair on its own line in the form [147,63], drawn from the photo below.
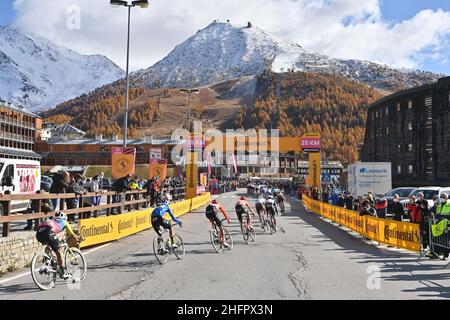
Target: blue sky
[283,17]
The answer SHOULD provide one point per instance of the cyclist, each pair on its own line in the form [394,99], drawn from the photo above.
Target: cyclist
[280,200]
[213,217]
[158,221]
[242,207]
[271,208]
[260,208]
[47,235]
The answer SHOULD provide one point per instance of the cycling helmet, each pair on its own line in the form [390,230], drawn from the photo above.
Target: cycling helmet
[161,203]
[243,198]
[214,201]
[61,215]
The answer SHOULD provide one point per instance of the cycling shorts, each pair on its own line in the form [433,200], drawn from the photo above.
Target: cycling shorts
[213,217]
[259,207]
[158,222]
[241,211]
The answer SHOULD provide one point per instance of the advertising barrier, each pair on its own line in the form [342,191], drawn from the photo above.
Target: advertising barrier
[403,235]
[106,229]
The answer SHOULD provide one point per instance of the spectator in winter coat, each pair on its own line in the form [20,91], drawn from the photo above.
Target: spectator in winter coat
[412,208]
[59,185]
[397,208]
[341,201]
[349,202]
[381,205]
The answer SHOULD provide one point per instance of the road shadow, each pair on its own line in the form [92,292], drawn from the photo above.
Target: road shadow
[19,289]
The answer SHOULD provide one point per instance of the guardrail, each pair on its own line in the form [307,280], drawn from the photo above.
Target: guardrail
[36,202]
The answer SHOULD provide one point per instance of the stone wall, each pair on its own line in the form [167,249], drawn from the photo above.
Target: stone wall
[17,250]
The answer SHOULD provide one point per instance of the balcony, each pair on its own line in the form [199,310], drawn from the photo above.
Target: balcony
[16,137]
[16,122]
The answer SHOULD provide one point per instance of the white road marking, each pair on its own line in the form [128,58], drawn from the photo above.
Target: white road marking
[28,273]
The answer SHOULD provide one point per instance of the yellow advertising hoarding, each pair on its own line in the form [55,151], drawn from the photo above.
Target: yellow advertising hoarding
[399,234]
[106,229]
[315,169]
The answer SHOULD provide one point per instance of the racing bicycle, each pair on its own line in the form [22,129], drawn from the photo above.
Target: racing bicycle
[247,232]
[214,235]
[45,268]
[162,247]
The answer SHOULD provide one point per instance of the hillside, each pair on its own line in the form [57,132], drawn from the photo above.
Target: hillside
[305,102]
[225,51]
[39,74]
[299,102]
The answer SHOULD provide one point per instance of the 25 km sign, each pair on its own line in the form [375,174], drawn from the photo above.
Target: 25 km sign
[310,142]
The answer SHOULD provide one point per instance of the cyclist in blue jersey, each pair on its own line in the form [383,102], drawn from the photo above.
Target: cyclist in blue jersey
[158,221]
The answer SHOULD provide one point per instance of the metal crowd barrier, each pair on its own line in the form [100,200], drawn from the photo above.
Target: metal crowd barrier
[438,244]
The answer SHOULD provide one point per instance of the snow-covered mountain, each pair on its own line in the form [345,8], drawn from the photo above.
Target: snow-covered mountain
[39,74]
[223,51]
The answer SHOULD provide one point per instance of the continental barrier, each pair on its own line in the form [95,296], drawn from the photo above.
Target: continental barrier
[398,234]
[106,229]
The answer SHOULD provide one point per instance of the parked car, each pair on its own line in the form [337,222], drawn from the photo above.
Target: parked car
[46,183]
[403,193]
[429,193]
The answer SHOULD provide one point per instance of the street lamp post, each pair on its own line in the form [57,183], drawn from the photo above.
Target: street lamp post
[189,91]
[119,3]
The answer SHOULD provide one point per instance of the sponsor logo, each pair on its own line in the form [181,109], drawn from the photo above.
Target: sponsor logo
[94,231]
[376,171]
[125,224]
[410,236]
[141,220]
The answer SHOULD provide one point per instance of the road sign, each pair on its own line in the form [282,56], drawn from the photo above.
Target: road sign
[310,142]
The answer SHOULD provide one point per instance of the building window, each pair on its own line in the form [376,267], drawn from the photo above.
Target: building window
[409,104]
[398,107]
[387,111]
[399,169]
[399,148]
[410,169]
[410,126]
[410,147]
[387,131]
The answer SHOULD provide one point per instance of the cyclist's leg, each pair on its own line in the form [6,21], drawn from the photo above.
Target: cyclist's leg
[55,245]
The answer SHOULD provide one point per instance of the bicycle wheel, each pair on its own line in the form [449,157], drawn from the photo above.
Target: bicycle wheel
[42,272]
[252,234]
[158,249]
[244,232]
[228,238]
[180,250]
[76,264]
[215,241]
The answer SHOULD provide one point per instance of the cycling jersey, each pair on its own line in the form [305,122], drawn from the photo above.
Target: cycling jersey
[260,201]
[57,226]
[161,211]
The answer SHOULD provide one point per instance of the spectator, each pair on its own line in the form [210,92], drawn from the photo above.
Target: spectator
[120,186]
[371,199]
[349,202]
[75,187]
[325,195]
[46,207]
[94,187]
[357,205]
[381,205]
[59,185]
[397,208]
[341,201]
[367,209]
[436,203]
[411,208]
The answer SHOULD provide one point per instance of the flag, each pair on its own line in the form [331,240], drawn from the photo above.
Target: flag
[158,168]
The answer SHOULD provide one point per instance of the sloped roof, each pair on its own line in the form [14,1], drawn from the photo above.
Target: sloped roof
[67,128]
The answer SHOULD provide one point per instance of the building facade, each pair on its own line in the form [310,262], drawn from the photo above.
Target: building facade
[411,129]
[19,130]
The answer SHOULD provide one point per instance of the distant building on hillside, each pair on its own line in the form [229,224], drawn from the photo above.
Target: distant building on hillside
[19,129]
[65,132]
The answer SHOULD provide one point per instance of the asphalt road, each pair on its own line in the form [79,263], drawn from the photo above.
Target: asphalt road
[308,258]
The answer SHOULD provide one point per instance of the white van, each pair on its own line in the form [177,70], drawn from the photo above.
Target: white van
[19,177]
